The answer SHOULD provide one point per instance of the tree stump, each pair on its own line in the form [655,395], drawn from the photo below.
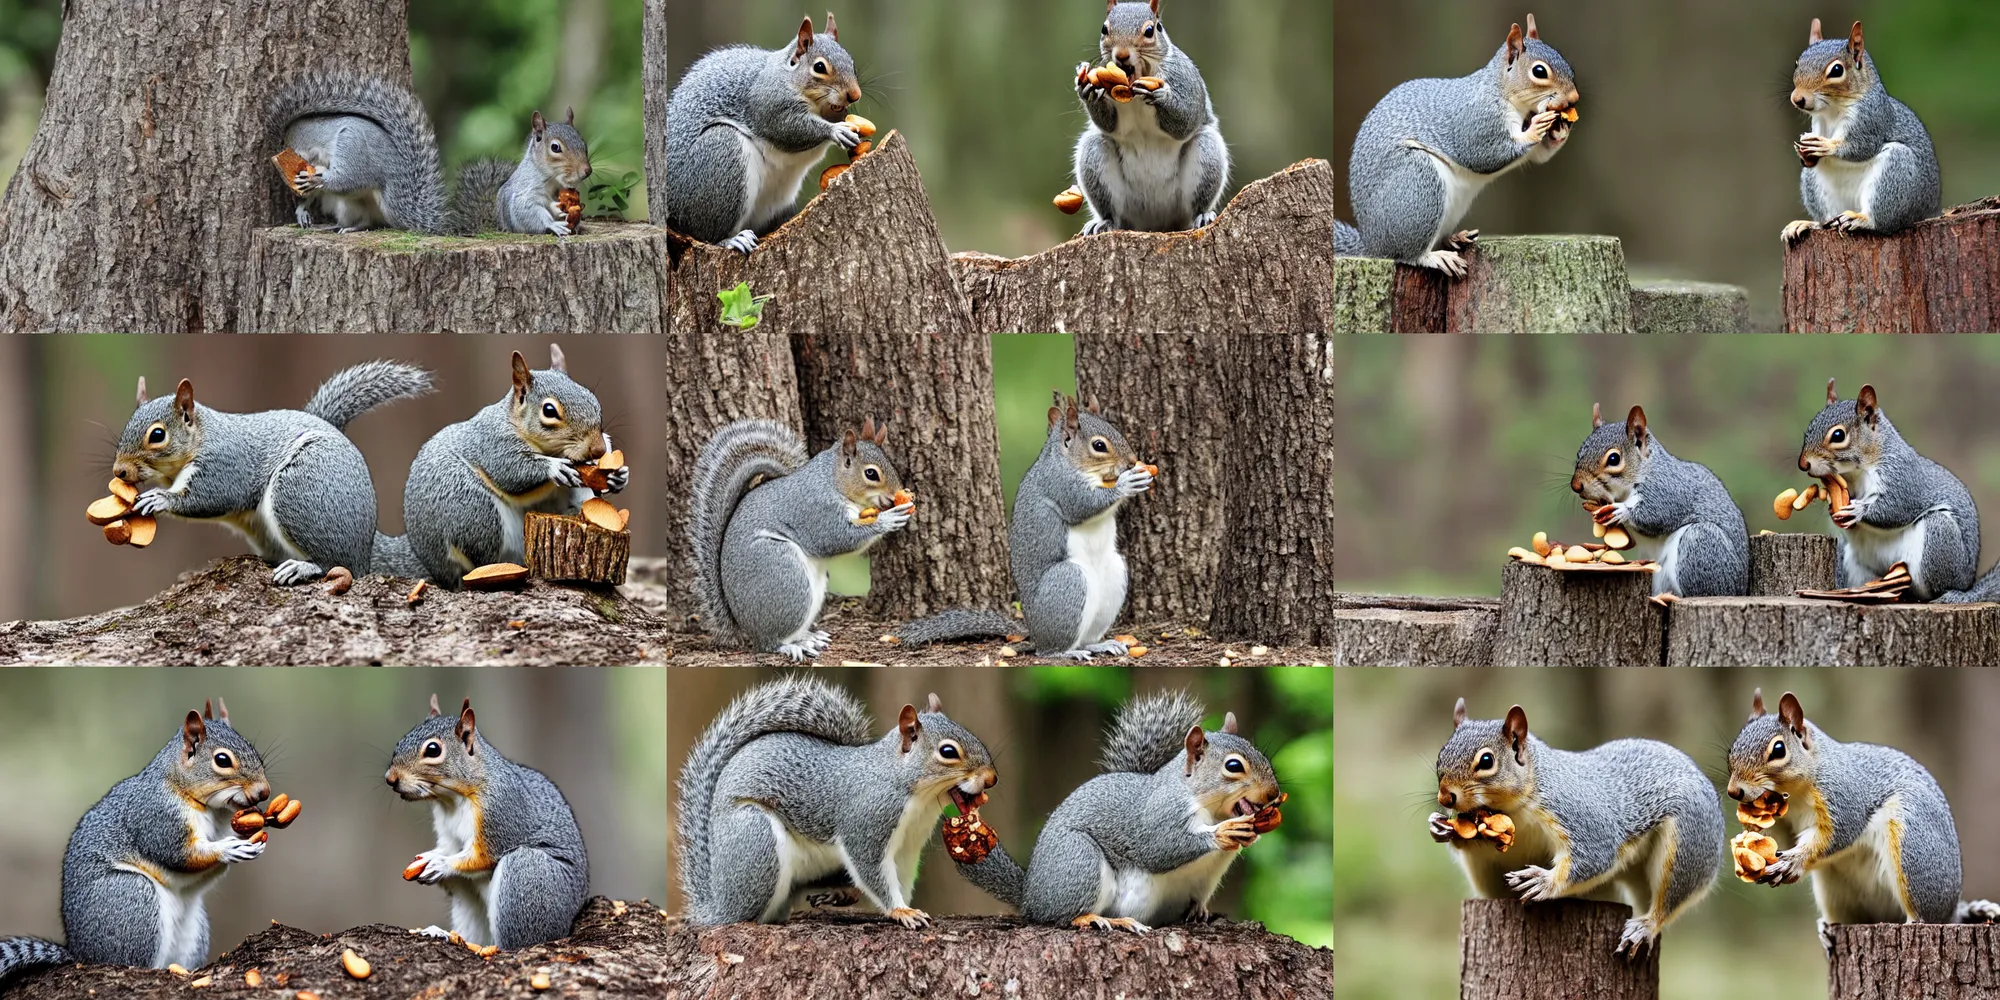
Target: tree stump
[1796,632]
[1555,950]
[560,547]
[1578,618]
[1941,275]
[1783,564]
[1900,961]
[1260,268]
[1689,307]
[1363,289]
[1414,631]
[863,258]
[1520,284]
[605,279]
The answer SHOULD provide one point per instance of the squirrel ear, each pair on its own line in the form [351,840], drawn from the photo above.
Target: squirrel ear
[1055,414]
[1156,8]
[805,39]
[569,114]
[1596,416]
[1514,45]
[142,390]
[1533,32]
[1635,425]
[184,400]
[434,705]
[1197,744]
[1793,715]
[868,428]
[832,30]
[221,709]
[1866,407]
[1854,39]
[1757,704]
[1831,398]
[936,705]
[1813,37]
[906,724]
[208,710]
[847,443]
[536,123]
[1229,722]
[556,360]
[521,377]
[882,433]
[1516,730]
[192,732]
[1092,405]
[1458,714]
[466,725]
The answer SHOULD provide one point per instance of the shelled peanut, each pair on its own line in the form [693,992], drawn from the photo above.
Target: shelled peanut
[114,514]
[1763,811]
[1494,826]
[867,130]
[1752,852]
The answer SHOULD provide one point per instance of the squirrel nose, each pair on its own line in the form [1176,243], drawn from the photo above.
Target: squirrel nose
[1446,797]
[1735,790]
[1799,100]
[390,777]
[854,95]
[1804,466]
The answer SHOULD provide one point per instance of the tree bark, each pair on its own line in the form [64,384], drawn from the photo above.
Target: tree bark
[605,279]
[1262,267]
[1163,392]
[134,206]
[1796,632]
[1520,284]
[1783,564]
[1414,631]
[1941,275]
[1901,961]
[1555,950]
[866,958]
[862,259]
[1578,618]
[559,547]
[936,392]
[1276,575]
[655,87]
[1363,289]
[1689,307]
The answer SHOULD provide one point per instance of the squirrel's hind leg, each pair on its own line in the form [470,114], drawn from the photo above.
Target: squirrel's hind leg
[746,879]
[113,919]
[535,898]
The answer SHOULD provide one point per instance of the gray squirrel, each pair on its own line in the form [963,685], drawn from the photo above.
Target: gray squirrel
[1432,145]
[1870,824]
[465,502]
[760,547]
[371,160]
[288,481]
[1867,162]
[1632,821]
[141,861]
[1675,511]
[1156,163]
[1904,507]
[1063,543]
[745,124]
[1147,842]
[509,854]
[790,793]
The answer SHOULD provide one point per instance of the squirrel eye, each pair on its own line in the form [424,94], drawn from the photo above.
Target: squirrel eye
[433,749]
[1837,435]
[222,759]
[1233,765]
[1099,444]
[1107,27]
[1149,31]
[1777,749]
[157,435]
[819,66]
[554,146]
[1486,760]
[1835,71]
[551,410]
[873,474]
[948,750]
[1612,458]
[1541,71]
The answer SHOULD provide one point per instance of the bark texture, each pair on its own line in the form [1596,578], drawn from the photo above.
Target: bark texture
[571,548]
[1551,618]
[1262,267]
[1914,962]
[1689,307]
[633,953]
[866,958]
[605,279]
[1414,631]
[1781,565]
[654,87]
[1520,284]
[1795,632]
[1275,581]
[1941,275]
[1555,950]
[134,206]
[1162,391]
[863,258]
[1363,288]
[936,392]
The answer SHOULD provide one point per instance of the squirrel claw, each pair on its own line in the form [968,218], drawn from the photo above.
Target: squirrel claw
[1533,883]
[1447,261]
[559,227]
[1461,240]
[742,242]
[911,917]
[153,502]
[1825,936]
[293,572]
[1235,833]
[1637,939]
[797,652]
[1441,831]
[237,851]
[1848,222]
[846,135]
[1204,220]
[1095,226]
[1796,230]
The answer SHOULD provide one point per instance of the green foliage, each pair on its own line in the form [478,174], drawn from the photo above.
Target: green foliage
[610,197]
[740,309]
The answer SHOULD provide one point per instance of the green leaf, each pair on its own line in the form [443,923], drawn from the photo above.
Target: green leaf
[741,309]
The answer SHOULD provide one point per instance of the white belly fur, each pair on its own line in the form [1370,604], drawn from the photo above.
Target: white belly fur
[1847,185]
[1860,884]
[1871,551]
[1666,550]
[815,570]
[1093,548]
[471,894]
[1148,181]
[800,861]
[771,180]
[183,928]
[1161,897]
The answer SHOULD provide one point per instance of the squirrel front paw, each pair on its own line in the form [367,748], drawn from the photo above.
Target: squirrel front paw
[1815,147]
[1155,96]
[436,868]
[911,917]
[1533,883]
[895,517]
[1134,481]
[1095,226]
[742,242]
[1796,230]
[1235,833]
[308,181]
[1637,938]
[559,227]
[562,473]
[1441,830]
[293,572]
[1085,90]
[1538,128]
[237,851]
[153,502]
[1848,222]
[847,135]
[1783,871]
[1447,261]
[1850,515]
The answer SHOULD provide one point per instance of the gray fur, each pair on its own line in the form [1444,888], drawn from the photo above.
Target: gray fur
[733,460]
[1346,240]
[363,387]
[729,101]
[19,954]
[1159,162]
[957,623]
[475,197]
[1149,731]
[492,195]
[393,556]
[373,144]
[1877,125]
[1677,495]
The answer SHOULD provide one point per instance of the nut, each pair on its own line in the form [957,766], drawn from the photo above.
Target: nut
[861,149]
[1148,83]
[1763,811]
[124,491]
[1782,506]
[105,510]
[339,579]
[861,125]
[968,839]
[252,978]
[539,981]
[599,512]
[1752,852]
[1811,493]
[1267,817]
[1070,201]
[289,164]
[1526,556]
[413,869]
[355,965]
[1498,827]
[1617,538]
[1837,494]
[826,176]
[276,805]
[570,200]
[1541,543]
[247,822]
[289,813]
[1556,560]
[1109,76]
[417,592]
[494,575]
[1137,651]
[1597,530]
[118,532]
[624,518]
[1122,93]
[1611,558]
[1578,554]
[260,837]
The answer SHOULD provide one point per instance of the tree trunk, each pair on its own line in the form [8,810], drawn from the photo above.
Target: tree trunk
[1796,632]
[605,279]
[1160,391]
[862,259]
[1555,950]
[1782,565]
[655,87]
[134,206]
[1689,307]
[1578,618]
[1414,631]
[560,547]
[1520,284]
[1276,579]
[1939,276]
[712,379]
[936,392]
[1899,961]
[1261,267]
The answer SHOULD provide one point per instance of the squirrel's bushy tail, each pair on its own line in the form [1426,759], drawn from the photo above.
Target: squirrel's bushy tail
[794,704]
[1986,588]
[473,208]
[1150,730]
[1976,911]
[394,557]
[1346,240]
[354,391]
[732,461]
[413,192]
[21,953]
[958,623]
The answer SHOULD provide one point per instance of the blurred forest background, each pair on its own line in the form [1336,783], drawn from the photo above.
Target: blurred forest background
[480,66]
[1452,449]
[71,396]
[1396,892]
[985,92]
[1044,728]
[1684,148]
[325,736]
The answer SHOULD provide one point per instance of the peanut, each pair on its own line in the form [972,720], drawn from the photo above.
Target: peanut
[1122,93]
[118,532]
[105,510]
[355,965]
[861,149]
[1611,558]
[1109,76]
[1148,83]
[1541,542]
[861,125]
[247,822]
[252,978]
[1782,506]
[1137,651]
[826,176]
[124,491]
[599,512]
[500,574]
[1596,530]
[339,579]
[539,981]
[276,805]
[288,814]
[1617,538]
[413,869]
[1578,554]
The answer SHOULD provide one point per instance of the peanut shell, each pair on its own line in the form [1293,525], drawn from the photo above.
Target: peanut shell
[105,510]
[600,512]
[501,574]
[124,491]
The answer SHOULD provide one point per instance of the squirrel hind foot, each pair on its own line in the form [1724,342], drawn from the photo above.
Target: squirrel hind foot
[742,242]
[1447,261]
[293,572]
[1849,222]
[1797,230]
[1637,939]
[1461,240]
[911,917]
[1109,923]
